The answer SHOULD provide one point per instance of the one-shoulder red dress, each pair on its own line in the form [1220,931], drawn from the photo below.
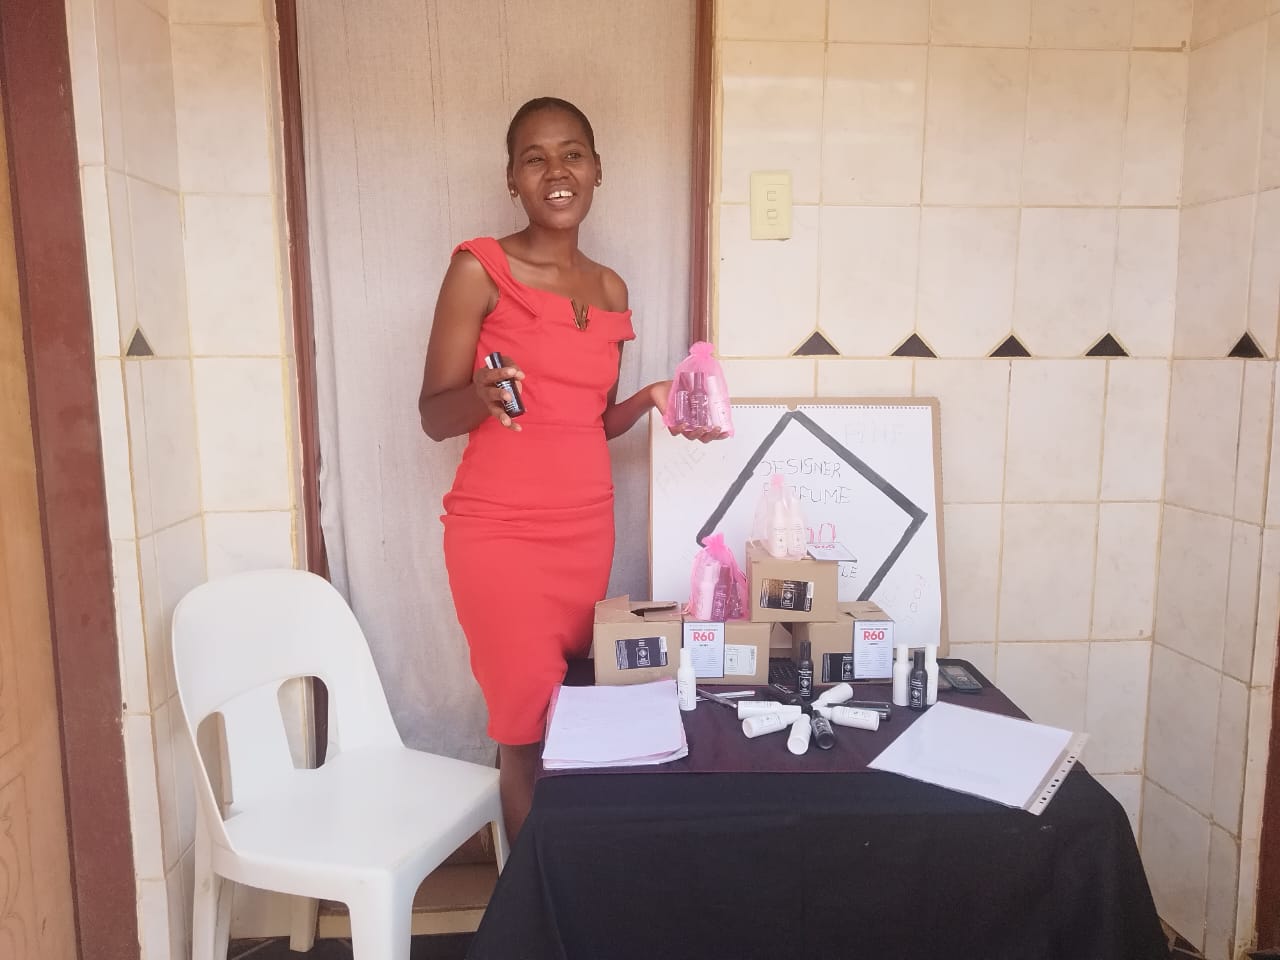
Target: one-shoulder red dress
[528,523]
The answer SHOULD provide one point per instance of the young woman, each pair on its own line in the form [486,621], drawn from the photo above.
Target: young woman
[528,537]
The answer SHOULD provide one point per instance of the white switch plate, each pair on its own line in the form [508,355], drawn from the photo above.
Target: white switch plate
[771,205]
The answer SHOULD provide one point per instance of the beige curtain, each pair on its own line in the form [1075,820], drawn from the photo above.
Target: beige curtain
[405,106]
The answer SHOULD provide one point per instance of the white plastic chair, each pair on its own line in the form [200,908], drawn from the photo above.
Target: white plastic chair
[367,826]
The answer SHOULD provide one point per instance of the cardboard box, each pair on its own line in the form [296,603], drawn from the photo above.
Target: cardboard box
[741,659]
[636,642]
[790,591]
[856,645]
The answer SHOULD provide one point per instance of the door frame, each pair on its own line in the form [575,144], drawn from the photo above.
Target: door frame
[35,75]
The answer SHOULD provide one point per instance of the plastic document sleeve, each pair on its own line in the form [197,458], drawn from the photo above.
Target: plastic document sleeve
[1012,762]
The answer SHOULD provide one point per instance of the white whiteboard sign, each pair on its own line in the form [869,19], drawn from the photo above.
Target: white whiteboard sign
[867,476]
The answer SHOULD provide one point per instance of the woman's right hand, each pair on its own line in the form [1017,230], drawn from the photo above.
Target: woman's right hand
[494,397]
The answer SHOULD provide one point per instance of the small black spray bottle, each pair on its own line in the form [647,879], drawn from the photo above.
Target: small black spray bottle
[515,406]
[918,684]
[804,672]
[822,734]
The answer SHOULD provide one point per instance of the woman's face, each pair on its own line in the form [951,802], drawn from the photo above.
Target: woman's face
[553,169]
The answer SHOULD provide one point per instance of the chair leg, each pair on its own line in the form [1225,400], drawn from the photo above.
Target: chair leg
[222,938]
[382,922]
[501,850]
[211,910]
[302,923]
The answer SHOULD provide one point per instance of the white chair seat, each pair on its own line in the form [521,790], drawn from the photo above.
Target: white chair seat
[394,804]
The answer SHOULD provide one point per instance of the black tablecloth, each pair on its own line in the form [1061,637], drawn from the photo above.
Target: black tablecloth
[653,866]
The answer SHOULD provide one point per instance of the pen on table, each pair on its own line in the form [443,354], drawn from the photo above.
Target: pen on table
[723,698]
[878,706]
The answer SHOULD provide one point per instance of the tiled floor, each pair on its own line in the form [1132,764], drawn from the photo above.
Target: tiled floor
[454,947]
[445,947]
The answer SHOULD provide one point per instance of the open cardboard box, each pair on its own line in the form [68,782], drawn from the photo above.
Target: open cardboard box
[636,642]
[790,591]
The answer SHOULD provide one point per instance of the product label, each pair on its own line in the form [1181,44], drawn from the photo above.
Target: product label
[916,694]
[786,594]
[706,641]
[873,649]
[635,653]
[739,660]
[838,668]
[804,680]
[831,550]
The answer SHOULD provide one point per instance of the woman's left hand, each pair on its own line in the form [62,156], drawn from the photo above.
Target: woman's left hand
[660,392]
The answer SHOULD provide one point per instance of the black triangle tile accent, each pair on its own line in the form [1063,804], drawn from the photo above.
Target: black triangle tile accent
[1247,348]
[816,346]
[1012,347]
[913,346]
[1108,346]
[138,346]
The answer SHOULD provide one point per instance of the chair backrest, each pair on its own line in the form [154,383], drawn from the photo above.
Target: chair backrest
[236,640]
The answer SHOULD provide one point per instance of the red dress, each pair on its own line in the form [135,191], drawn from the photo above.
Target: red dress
[528,523]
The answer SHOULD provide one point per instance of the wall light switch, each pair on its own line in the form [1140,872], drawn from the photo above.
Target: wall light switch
[771,205]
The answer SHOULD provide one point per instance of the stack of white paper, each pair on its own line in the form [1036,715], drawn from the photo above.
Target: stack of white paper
[614,727]
[1013,762]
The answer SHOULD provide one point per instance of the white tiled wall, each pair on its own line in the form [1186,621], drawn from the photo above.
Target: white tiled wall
[1216,629]
[963,170]
[969,169]
[1215,616]
[182,222]
[966,170]
[977,167]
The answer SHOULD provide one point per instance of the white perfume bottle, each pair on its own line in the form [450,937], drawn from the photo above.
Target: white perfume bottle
[686,681]
[901,675]
[703,599]
[758,726]
[718,403]
[931,675]
[797,533]
[798,739]
[762,708]
[851,717]
[779,540]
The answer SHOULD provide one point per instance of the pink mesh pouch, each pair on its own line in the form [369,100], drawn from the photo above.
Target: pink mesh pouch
[717,585]
[699,393]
